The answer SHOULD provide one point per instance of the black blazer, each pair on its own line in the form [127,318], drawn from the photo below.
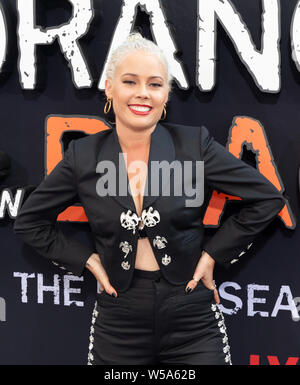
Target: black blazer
[174,230]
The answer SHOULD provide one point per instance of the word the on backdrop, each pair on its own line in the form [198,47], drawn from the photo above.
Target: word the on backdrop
[35,282]
[263,65]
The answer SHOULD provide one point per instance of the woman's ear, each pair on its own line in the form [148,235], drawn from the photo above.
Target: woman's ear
[108,87]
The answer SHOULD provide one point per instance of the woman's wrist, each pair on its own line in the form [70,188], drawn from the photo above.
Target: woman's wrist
[207,258]
[92,261]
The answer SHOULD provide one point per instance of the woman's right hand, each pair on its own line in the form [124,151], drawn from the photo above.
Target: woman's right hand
[94,265]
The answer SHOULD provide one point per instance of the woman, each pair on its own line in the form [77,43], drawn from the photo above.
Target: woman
[158,302]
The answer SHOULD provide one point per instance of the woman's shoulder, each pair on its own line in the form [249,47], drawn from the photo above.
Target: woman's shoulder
[93,139]
[87,149]
[185,132]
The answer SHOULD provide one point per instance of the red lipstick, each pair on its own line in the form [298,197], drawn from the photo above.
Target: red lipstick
[136,112]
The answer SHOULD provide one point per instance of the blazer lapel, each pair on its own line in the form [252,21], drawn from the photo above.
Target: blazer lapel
[161,149]
[111,151]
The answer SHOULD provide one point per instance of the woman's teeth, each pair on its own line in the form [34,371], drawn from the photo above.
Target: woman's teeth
[140,108]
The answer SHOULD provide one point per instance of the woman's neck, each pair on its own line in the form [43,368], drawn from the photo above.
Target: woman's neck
[131,140]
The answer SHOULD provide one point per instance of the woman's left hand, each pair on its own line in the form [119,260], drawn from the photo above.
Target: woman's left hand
[204,271]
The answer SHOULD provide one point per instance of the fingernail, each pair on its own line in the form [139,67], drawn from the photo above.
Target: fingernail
[188,290]
[113,294]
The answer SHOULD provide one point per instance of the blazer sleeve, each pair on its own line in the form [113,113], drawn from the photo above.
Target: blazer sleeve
[261,201]
[36,222]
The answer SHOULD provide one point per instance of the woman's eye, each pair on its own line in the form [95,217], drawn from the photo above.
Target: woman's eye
[155,84]
[128,81]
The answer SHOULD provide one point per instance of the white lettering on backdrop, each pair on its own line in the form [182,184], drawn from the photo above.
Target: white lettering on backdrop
[55,288]
[264,65]
[3,37]
[68,34]
[33,290]
[257,304]
[160,32]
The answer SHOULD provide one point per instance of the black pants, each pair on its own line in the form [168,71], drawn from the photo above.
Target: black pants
[154,322]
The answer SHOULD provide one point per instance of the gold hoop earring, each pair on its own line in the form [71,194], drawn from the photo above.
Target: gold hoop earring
[107,106]
[164,113]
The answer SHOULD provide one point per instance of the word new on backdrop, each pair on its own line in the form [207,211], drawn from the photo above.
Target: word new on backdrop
[263,65]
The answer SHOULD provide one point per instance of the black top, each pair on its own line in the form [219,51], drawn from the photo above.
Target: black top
[175,231]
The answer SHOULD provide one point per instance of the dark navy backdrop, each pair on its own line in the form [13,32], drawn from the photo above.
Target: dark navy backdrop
[44,333]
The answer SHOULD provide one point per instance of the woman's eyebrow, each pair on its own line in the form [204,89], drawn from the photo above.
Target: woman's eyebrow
[156,76]
[129,74]
[150,77]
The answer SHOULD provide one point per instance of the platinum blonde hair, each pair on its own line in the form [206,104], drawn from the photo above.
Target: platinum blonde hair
[136,42]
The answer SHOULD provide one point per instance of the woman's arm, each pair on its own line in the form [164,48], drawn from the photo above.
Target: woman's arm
[95,266]
[36,222]
[261,201]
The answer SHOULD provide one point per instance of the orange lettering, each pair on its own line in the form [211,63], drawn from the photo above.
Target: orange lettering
[249,132]
[56,126]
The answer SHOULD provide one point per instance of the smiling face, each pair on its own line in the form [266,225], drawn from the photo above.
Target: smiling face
[138,91]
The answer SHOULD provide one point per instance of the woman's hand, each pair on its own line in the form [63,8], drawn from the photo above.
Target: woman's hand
[204,271]
[94,265]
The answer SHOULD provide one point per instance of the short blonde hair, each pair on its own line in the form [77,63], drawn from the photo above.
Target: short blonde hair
[136,42]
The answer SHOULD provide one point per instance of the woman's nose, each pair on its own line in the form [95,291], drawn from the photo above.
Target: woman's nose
[142,91]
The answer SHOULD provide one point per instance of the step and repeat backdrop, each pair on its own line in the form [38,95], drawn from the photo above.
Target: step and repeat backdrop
[236,67]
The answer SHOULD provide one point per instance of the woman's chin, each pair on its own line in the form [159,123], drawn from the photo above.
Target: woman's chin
[142,124]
